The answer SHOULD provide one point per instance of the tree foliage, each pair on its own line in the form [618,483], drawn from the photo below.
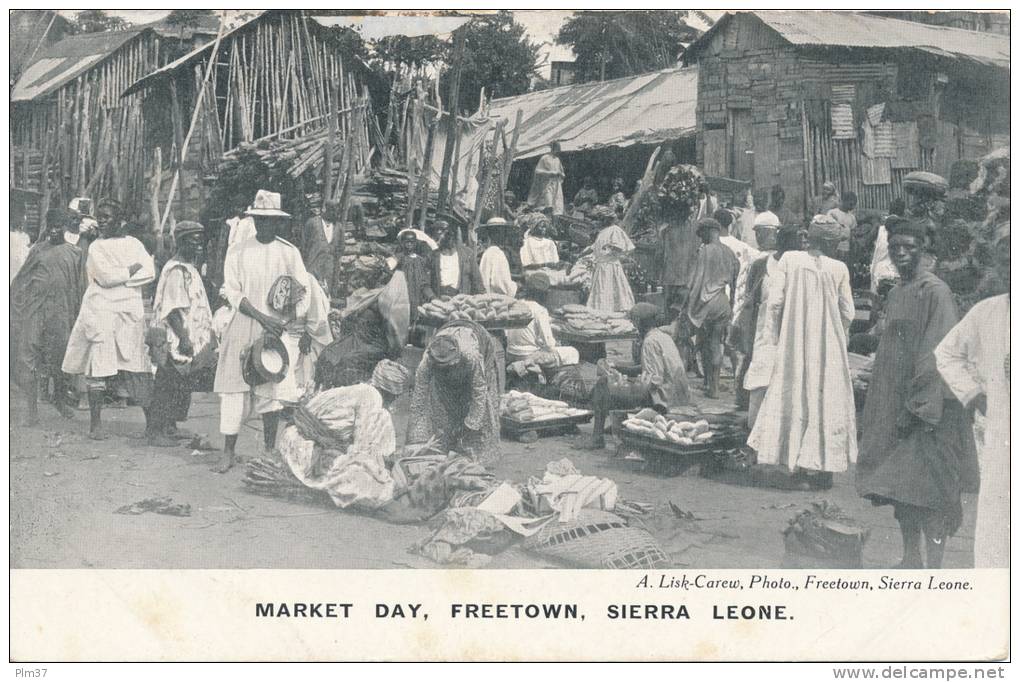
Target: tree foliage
[624,43]
[96,20]
[187,18]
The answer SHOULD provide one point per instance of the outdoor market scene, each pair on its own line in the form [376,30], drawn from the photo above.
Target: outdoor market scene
[293,289]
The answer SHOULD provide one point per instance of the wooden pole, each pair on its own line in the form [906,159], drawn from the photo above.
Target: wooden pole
[483,189]
[157,180]
[646,185]
[191,128]
[426,173]
[451,124]
[508,161]
[327,162]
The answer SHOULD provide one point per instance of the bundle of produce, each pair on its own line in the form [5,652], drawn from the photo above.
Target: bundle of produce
[585,321]
[477,307]
[825,532]
[363,265]
[648,422]
[326,418]
[527,407]
[269,477]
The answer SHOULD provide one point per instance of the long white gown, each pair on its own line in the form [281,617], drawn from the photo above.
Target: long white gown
[610,290]
[971,359]
[806,419]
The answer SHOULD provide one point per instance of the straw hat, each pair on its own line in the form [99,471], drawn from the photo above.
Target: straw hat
[266,203]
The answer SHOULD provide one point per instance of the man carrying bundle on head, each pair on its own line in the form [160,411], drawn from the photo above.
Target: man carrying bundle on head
[917,445]
[108,338]
[45,296]
[806,420]
[181,342]
[275,306]
[661,384]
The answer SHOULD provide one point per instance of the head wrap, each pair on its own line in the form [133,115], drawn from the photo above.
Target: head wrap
[644,313]
[828,188]
[443,350]
[708,224]
[603,212]
[1001,232]
[825,227]
[537,282]
[390,376]
[188,227]
[766,219]
[723,216]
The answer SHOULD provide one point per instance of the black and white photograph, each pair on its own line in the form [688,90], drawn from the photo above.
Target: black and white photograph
[672,291]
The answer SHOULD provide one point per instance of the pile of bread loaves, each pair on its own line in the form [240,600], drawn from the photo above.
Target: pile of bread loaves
[477,307]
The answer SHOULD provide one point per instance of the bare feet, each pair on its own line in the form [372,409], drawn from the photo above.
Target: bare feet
[225,463]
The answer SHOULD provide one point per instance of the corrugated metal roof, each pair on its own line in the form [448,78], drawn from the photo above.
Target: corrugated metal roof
[853,29]
[645,109]
[65,60]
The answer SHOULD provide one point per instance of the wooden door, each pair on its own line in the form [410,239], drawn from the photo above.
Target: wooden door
[741,145]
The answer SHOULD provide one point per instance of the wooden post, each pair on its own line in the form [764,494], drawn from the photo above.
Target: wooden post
[646,184]
[426,172]
[489,161]
[157,180]
[509,160]
[451,124]
[191,129]
[327,161]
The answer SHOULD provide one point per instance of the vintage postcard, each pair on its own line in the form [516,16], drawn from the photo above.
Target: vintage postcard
[505,334]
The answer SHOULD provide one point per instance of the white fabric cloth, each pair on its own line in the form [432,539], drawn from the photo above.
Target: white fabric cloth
[745,256]
[71,237]
[109,334]
[449,270]
[807,416]
[357,477]
[180,287]
[495,269]
[242,228]
[327,230]
[19,251]
[881,264]
[610,290]
[249,272]
[763,358]
[971,359]
[547,185]
[538,251]
[538,337]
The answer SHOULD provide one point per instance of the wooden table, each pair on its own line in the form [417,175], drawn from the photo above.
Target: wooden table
[590,348]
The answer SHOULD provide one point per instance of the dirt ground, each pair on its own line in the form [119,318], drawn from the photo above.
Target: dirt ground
[65,488]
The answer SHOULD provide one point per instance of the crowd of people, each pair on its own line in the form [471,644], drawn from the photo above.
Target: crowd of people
[754,286]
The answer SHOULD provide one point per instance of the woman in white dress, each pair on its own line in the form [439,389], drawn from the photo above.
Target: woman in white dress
[610,290]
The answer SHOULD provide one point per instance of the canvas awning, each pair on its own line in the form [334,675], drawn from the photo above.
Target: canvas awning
[646,109]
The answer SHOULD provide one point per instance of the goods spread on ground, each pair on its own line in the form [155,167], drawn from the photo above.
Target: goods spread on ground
[648,422]
[526,407]
[584,321]
[478,308]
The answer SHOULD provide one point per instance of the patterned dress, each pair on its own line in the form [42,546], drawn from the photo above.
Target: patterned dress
[460,405]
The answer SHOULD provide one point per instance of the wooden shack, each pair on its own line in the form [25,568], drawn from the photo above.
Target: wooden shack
[68,117]
[799,98]
[277,82]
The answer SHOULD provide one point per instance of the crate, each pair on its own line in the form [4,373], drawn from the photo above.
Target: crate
[514,429]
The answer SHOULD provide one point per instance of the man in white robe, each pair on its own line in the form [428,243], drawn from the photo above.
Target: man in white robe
[806,420]
[108,336]
[973,359]
[249,274]
[494,266]
[547,182]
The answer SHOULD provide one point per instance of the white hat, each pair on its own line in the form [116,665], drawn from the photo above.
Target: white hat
[496,221]
[266,203]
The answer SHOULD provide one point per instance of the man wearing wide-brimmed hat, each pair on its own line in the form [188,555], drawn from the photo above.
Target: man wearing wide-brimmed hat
[252,284]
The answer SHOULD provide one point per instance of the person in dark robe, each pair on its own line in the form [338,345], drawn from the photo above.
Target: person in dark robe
[45,297]
[322,245]
[708,304]
[415,261]
[917,449]
[454,267]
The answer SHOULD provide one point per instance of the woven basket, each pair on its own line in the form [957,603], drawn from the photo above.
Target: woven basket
[598,539]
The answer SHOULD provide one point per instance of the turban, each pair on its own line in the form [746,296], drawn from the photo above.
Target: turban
[644,313]
[537,282]
[828,188]
[825,227]
[390,376]
[766,219]
[603,212]
[1001,232]
[444,350]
